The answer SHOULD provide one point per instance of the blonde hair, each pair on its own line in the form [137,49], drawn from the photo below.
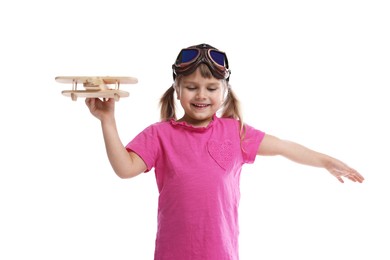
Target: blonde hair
[230,107]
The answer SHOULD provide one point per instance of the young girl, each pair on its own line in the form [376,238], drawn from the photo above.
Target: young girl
[198,158]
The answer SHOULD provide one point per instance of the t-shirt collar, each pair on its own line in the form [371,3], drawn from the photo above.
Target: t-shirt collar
[191,127]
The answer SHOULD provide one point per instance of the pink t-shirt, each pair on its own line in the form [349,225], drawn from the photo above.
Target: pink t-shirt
[197,172]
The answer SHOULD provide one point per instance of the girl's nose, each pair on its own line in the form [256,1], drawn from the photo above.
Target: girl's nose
[200,94]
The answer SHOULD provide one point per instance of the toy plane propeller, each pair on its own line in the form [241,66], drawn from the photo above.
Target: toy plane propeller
[96,86]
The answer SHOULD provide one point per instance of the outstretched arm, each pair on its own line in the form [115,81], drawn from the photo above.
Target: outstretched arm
[125,164]
[272,145]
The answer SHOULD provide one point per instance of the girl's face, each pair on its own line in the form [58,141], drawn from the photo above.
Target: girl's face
[200,98]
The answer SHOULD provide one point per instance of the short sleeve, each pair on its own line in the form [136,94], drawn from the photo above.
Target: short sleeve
[145,145]
[251,143]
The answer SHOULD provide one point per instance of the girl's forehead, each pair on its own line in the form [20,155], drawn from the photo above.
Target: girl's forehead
[202,81]
[197,76]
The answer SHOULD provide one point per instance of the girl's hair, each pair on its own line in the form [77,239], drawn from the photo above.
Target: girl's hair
[230,107]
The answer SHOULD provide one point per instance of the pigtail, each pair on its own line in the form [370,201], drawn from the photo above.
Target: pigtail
[167,104]
[232,109]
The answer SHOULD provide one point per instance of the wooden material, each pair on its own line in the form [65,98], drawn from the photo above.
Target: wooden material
[96,86]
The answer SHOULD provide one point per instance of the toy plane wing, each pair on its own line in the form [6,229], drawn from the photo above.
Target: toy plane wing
[96,86]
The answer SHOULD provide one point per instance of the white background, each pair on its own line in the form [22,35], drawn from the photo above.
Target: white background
[315,72]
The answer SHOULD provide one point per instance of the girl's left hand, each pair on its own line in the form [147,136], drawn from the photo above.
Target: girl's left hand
[340,170]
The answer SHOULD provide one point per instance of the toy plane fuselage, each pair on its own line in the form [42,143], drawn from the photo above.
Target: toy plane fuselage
[95,84]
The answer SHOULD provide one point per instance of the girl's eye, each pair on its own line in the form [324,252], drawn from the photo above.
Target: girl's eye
[212,89]
[191,88]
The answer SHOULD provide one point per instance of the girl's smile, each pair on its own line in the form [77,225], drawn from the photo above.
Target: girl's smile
[200,106]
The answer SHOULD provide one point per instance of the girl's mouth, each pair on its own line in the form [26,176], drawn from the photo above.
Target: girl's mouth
[200,105]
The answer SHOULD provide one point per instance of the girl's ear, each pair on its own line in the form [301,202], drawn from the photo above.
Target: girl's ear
[226,89]
[177,89]
[225,95]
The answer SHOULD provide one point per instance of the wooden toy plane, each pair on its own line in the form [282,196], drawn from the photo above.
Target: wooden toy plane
[96,86]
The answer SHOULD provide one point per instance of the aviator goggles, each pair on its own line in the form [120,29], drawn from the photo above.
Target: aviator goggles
[189,59]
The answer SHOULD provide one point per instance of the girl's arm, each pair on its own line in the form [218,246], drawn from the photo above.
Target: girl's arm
[272,145]
[125,164]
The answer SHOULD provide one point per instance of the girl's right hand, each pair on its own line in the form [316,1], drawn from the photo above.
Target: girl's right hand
[101,109]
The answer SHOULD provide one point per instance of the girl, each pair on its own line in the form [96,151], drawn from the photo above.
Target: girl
[198,158]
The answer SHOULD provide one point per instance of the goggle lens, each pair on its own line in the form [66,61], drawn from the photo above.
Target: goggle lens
[218,57]
[188,55]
